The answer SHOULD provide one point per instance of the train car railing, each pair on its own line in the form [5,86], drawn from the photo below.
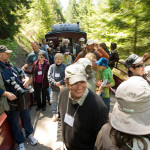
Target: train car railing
[119,75]
[7,141]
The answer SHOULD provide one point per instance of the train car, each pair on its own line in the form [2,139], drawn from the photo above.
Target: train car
[7,141]
[65,31]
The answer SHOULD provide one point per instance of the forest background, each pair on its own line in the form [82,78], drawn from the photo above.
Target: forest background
[126,22]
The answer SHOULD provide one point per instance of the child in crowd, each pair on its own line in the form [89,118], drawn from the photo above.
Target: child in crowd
[40,81]
[56,75]
[106,76]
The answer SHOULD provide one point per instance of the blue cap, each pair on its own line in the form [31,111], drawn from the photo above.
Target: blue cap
[102,62]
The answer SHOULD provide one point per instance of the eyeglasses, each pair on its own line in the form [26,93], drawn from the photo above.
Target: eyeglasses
[140,65]
[41,57]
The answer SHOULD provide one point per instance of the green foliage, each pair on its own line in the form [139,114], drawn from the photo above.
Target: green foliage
[58,16]
[114,5]
[9,17]
[126,22]
[10,44]
[23,41]
[122,21]
[40,17]
[118,23]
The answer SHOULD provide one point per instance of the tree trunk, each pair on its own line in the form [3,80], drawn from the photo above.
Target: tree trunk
[135,36]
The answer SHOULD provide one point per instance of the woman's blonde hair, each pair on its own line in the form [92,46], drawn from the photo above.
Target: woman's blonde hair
[90,56]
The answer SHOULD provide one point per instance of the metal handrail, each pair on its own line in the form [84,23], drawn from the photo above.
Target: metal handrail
[116,66]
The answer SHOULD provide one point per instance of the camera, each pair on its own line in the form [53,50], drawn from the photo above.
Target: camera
[17,87]
[30,88]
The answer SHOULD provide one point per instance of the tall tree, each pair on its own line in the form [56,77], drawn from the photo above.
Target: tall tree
[9,17]
[81,11]
[57,12]
[42,15]
[71,12]
[130,19]
[122,21]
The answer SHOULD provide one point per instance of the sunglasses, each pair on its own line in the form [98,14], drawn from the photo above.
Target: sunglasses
[140,65]
[41,57]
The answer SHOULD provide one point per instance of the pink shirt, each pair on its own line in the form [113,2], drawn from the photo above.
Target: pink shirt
[38,78]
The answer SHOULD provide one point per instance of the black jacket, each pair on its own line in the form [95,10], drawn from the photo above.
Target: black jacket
[114,57]
[89,119]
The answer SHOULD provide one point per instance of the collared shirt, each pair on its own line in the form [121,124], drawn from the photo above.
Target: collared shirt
[81,100]
[32,57]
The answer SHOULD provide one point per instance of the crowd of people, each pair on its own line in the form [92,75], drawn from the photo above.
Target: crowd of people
[75,81]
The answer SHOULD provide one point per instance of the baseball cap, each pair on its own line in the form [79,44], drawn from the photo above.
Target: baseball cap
[133,59]
[90,42]
[75,73]
[4,49]
[82,39]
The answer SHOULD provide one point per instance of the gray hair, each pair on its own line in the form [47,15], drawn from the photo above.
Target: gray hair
[65,40]
[58,55]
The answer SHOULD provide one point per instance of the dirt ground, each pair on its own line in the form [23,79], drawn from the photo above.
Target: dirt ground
[20,58]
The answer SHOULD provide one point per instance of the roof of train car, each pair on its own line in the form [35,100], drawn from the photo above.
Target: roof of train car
[65,27]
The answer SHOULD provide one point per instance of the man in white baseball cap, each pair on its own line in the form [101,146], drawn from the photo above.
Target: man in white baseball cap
[90,45]
[90,48]
[82,112]
[78,48]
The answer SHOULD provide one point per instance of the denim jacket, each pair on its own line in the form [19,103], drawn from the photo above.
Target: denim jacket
[9,71]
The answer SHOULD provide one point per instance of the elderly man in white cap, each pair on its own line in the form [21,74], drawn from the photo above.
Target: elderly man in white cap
[82,112]
[78,48]
[90,48]
[90,45]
